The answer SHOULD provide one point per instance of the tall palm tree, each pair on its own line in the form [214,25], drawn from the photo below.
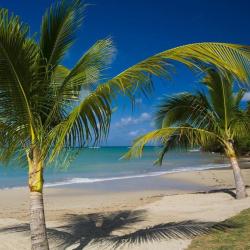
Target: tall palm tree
[188,119]
[46,108]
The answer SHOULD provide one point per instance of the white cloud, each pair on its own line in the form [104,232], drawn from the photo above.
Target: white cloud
[125,121]
[246,97]
[134,133]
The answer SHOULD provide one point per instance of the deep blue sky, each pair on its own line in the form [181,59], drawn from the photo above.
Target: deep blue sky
[142,28]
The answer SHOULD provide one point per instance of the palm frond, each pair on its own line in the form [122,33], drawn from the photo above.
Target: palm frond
[59,26]
[194,110]
[163,152]
[238,97]
[87,122]
[69,85]
[175,141]
[10,142]
[18,55]
[225,57]
[195,136]
[86,73]
[221,95]
[239,125]
[187,108]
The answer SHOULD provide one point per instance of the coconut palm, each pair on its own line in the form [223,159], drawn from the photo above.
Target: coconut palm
[46,108]
[188,119]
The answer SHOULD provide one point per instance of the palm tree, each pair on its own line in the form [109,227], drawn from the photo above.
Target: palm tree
[188,119]
[46,108]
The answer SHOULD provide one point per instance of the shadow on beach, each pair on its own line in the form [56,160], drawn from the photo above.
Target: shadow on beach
[229,191]
[113,230]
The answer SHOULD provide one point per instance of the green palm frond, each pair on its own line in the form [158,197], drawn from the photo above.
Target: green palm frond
[59,26]
[69,85]
[9,142]
[239,125]
[162,153]
[175,141]
[221,94]
[238,97]
[248,108]
[87,122]
[226,57]
[18,56]
[88,71]
[185,108]
[234,123]
[195,136]
[195,56]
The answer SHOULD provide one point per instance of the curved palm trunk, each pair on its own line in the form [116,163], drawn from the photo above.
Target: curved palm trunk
[39,239]
[239,182]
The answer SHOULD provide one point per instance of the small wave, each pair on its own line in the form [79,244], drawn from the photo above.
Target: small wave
[203,167]
[92,180]
[151,174]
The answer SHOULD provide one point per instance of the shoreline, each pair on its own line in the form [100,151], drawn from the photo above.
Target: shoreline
[89,185]
[76,182]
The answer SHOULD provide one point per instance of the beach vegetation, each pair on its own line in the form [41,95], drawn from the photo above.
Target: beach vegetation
[235,238]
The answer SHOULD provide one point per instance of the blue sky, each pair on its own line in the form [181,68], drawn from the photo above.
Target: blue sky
[141,28]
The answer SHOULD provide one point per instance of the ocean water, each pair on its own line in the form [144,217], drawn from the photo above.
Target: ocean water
[95,165]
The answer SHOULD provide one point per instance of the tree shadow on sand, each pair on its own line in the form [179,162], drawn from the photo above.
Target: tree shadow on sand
[106,229]
[230,191]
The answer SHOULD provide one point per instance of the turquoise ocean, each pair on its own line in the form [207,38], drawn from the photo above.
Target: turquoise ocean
[103,165]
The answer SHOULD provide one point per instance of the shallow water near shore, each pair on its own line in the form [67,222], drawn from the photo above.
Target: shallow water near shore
[103,167]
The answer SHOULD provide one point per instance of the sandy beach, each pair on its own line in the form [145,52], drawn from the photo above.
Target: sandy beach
[76,213]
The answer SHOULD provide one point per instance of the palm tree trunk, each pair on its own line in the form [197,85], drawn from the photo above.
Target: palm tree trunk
[239,182]
[39,239]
